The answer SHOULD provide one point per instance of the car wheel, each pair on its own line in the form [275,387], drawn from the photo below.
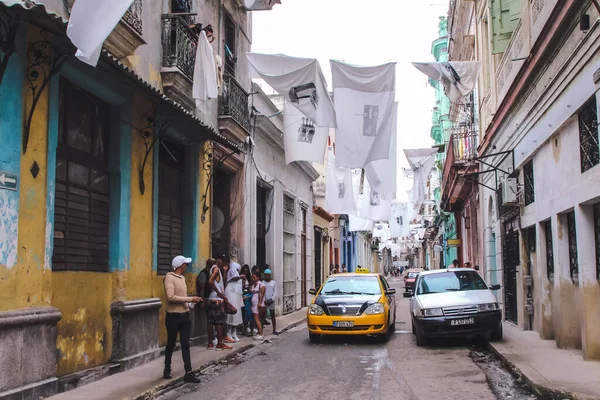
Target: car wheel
[314,338]
[422,340]
[393,325]
[414,330]
[384,337]
[497,334]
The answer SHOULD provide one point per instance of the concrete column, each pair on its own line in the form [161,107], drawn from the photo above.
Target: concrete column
[564,303]
[542,289]
[589,288]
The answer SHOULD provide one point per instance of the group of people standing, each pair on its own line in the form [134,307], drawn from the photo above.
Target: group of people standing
[335,269]
[233,298]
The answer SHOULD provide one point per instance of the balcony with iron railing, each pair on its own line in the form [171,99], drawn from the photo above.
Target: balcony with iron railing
[461,157]
[233,103]
[179,43]
[127,35]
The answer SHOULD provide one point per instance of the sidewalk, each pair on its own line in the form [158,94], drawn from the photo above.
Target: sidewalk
[143,381]
[547,369]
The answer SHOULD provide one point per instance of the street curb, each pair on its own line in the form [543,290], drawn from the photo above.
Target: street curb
[541,390]
[150,393]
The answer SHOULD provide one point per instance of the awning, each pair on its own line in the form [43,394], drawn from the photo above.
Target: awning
[56,8]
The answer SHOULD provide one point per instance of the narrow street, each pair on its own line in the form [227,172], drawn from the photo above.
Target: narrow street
[353,368]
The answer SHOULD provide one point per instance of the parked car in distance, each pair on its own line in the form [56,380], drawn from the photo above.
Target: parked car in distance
[410,276]
[454,303]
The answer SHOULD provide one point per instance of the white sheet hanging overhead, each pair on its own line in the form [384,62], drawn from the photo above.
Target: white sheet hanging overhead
[458,77]
[90,24]
[382,173]
[300,81]
[364,102]
[339,192]
[399,221]
[205,71]
[373,205]
[421,161]
[357,224]
[303,139]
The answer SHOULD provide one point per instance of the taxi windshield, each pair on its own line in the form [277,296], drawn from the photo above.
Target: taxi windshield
[456,281]
[413,274]
[345,285]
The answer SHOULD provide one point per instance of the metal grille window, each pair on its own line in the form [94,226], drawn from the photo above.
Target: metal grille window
[82,207]
[589,150]
[289,254]
[549,249]
[572,232]
[597,237]
[529,183]
[170,204]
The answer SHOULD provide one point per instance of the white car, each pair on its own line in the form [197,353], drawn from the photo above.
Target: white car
[454,303]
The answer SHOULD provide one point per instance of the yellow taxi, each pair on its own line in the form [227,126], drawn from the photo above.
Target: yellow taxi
[352,304]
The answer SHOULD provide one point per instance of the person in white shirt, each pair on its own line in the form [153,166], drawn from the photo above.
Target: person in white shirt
[270,298]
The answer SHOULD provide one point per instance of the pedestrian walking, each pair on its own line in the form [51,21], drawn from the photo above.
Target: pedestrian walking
[271,298]
[258,303]
[216,316]
[177,320]
[454,264]
[344,269]
[233,292]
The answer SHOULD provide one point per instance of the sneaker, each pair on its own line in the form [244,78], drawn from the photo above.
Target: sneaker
[247,331]
[237,339]
[190,378]
[210,346]
[223,347]
[167,374]
[275,333]
[228,340]
[255,331]
[214,342]
[258,337]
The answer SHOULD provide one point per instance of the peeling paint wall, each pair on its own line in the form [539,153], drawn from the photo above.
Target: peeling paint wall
[85,330]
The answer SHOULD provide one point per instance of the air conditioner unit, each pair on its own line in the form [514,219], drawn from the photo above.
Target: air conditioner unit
[510,192]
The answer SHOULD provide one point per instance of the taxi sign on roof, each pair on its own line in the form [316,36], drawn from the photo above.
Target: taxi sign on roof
[362,270]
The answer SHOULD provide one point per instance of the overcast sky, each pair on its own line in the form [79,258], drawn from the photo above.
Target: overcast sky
[365,32]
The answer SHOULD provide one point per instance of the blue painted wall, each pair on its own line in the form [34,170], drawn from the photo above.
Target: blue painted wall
[11,127]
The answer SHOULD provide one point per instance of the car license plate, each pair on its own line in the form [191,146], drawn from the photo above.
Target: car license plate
[343,324]
[464,321]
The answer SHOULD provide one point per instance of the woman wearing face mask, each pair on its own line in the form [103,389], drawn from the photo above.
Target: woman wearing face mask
[233,292]
[258,302]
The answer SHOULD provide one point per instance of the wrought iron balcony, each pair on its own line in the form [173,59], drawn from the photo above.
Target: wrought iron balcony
[464,147]
[133,16]
[179,44]
[234,102]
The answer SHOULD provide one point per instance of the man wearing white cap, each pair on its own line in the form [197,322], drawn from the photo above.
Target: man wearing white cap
[178,320]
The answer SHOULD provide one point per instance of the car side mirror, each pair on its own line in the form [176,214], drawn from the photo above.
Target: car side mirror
[390,291]
[313,291]
[495,287]
[407,294]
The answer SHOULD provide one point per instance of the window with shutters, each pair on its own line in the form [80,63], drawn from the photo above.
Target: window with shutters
[170,204]
[82,205]
[505,17]
[573,257]
[589,149]
[528,177]
[549,250]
